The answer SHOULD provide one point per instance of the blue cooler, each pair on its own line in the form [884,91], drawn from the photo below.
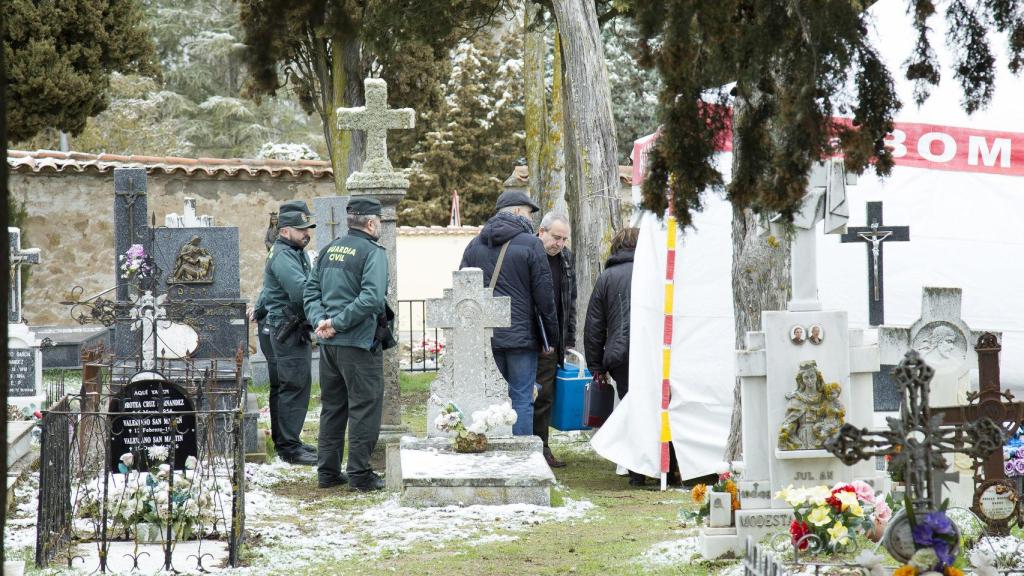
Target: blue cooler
[570,393]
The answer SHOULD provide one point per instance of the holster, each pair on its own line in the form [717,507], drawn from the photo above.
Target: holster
[383,338]
[292,323]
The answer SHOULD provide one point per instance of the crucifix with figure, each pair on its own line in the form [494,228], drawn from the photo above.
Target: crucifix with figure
[990,401]
[917,441]
[874,235]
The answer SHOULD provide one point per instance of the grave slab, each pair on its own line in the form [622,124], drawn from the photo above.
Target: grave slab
[19,440]
[63,345]
[511,471]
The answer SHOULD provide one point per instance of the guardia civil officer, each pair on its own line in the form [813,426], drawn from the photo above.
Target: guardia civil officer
[345,299]
[284,279]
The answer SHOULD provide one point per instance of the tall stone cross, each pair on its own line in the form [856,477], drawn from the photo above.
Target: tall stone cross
[992,402]
[468,375]
[874,235]
[149,314]
[825,200]
[376,119]
[19,258]
[917,441]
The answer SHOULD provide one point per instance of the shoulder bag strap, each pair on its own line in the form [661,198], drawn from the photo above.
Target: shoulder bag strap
[497,265]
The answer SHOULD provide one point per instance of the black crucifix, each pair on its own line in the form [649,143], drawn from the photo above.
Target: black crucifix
[873,235]
[998,405]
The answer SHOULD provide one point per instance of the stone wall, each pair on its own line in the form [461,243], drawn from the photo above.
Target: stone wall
[69,216]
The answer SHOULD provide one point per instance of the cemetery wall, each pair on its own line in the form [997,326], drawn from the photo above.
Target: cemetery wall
[426,258]
[68,208]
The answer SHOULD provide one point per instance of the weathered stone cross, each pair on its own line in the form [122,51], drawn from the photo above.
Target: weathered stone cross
[149,314]
[376,119]
[467,375]
[19,257]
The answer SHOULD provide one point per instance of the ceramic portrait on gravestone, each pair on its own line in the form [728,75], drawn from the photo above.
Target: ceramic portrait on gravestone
[797,335]
[942,345]
[814,412]
[816,335]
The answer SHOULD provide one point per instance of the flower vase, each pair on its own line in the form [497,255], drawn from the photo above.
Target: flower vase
[471,443]
[720,515]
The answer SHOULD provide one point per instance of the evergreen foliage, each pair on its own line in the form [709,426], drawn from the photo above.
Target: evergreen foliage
[634,88]
[796,65]
[474,138]
[60,55]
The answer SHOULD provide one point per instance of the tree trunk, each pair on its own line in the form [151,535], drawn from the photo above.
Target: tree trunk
[342,88]
[760,281]
[535,97]
[554,144]
[592,172]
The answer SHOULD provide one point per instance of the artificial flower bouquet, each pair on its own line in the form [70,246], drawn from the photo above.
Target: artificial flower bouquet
[1013,455]
[826,519]
[474,437]
[135,263]
[936,541]
[728,476]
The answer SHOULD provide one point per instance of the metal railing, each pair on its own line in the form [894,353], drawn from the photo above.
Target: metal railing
[421,348]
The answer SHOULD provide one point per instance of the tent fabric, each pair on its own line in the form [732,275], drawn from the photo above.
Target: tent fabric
[957,183]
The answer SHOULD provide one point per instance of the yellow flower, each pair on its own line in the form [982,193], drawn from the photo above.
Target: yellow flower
[730,487]
[819,516]
[817,495]
[699,492]
[839,533]
[905,570]
[951,571]
[849,503]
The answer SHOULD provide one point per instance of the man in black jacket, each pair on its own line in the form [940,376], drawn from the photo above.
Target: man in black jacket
[525,277]
[554,233]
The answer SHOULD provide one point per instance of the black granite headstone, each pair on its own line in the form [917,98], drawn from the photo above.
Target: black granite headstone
[220,244]
[153,412]
[887,392]
[130,224]
[21,371]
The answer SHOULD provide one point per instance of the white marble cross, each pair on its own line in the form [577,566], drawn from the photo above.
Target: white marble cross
[19,257]
[825,200]
[148,313]
[376,119]
[468,375]
[188,218]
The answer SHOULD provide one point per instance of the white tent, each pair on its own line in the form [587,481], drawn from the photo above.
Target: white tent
[958,183]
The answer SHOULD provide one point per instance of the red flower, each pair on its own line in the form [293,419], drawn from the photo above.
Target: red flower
[725,476]
[798,530]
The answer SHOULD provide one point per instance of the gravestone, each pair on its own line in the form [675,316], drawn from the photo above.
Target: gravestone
[468,375]
[24,362]
[427,471]
[63,345]
[992,492]
[331,219]
[805,362]
[379,180]
[151,411]
[130,225]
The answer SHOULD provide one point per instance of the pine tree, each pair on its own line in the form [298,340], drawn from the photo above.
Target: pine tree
[60,56]
[474,138]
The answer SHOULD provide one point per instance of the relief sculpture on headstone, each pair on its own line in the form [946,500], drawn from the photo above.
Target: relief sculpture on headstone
[941,345]
[813,411]
[193,265]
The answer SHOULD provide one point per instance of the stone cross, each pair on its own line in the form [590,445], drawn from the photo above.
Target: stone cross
[991,401]
[148,313]
[468,375]
[19,258]
[874,235]
[188,218]
[942,338]
[825,200]
[376,119]
[916,441]
[331,219]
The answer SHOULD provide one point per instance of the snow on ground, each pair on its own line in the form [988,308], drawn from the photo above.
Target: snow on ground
[672,552]
[20,529]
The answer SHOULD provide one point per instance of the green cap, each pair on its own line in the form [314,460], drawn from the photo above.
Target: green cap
[295,214]
[364,206]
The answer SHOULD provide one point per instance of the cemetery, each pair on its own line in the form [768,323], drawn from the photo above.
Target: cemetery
[747,304]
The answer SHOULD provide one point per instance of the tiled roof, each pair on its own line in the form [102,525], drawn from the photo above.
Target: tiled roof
[439,230]
[52,161]
[521,176]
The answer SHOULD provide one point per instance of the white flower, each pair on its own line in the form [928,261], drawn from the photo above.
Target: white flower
[190,463]
[163,470]
[127,459]
[871,562]
[721,468]
[738,467]
[157,453]
[478,427]
[983,562]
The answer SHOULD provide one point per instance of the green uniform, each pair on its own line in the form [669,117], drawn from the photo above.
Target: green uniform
[349,287]
[284,279]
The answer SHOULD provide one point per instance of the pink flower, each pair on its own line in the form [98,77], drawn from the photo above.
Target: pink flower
[1019,465]
[865,493]
[882,511]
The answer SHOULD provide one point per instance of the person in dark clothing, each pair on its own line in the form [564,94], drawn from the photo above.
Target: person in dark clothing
[554,233]
[525,277]
[606,333]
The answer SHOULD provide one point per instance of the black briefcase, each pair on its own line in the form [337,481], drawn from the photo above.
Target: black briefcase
[600,399]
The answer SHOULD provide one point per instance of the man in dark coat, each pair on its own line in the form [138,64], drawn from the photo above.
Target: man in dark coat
[525,277]
[554,233]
